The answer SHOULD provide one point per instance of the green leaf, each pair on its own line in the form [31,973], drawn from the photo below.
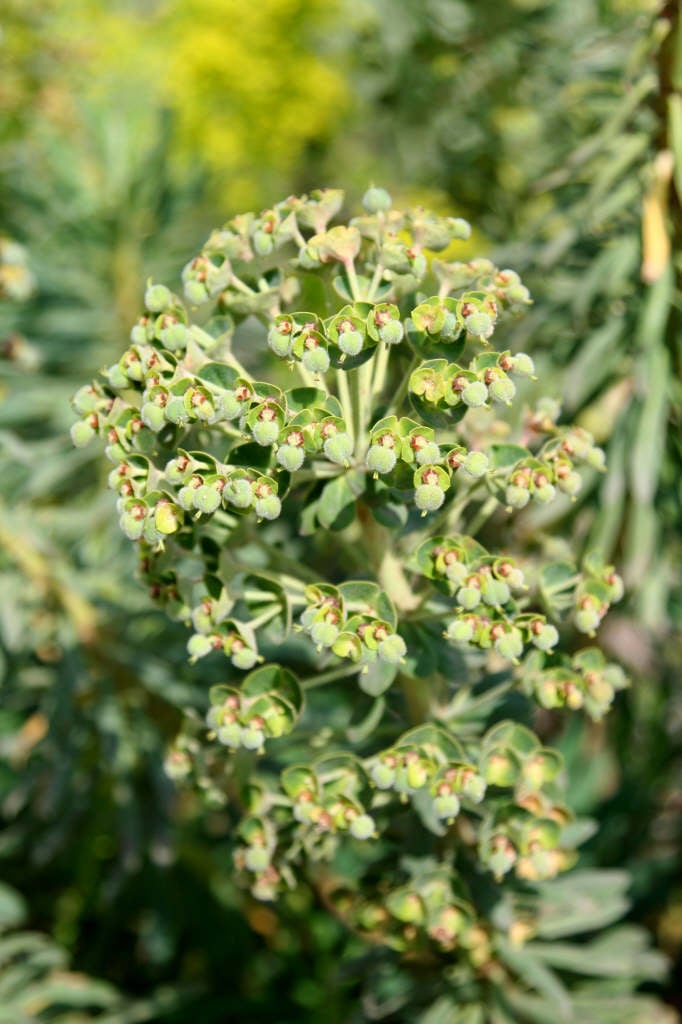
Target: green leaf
[218,374]
[581,901]
[531,970]
[378,677]
[12,907]
[336,504]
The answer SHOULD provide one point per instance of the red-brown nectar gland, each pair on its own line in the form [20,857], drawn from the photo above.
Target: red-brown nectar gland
[386,441]
[459,383]
[521,478]
[537,626]
[417,442]
[382,317]
[195,481]
[505,569]
[429,476]
[505,362]
[455,460]
[112,436]
[541,480]
[126,489]
[93,420]
[328,429]
[497,631]
[242,394]
[263,490]
[450,557]
[296,439]
[380,633]
[311,342]
[267,414]
[136,425]
[285,327]
[345,325]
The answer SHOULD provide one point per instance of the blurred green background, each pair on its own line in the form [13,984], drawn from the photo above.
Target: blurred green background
[127,131]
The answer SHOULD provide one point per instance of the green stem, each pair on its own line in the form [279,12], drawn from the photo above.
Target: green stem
[353,283]
[399,396]
[483,515]
[345,400]
[330,676]
[375,282]
[265,616]
[380,370]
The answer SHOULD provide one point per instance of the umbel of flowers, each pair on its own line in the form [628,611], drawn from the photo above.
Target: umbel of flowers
[317,447]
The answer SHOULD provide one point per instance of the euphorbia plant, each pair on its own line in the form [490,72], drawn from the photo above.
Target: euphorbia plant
[345,536]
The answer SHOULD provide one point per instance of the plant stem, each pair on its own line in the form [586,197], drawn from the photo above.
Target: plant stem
[345,400]
[330,676]
[375,282]
[353,283]
[380,369]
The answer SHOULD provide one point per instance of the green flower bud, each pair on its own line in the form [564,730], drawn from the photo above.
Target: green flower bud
[446,806]
[324,634]
[82,433]
[517,497]
[475,465]
[495,592]
[256,858]
[175,411]
[290,457]
[569,482]
[392,649]
[376,200]
[362,827]
[206,499]
[239,493]
[382,775]
[596,458]
[460,631]
[196,292]
[392,332]
[429,497]
[518,295]
[186,497]
[244,658]
[350,342]
[138,334]
[153,416]
[262,243]
[502,389]
[268,507]
[116,377]
[479,324]
[174,337]
[131,526]
[265,432]
[544,494]
[523,365]
[460,228]
[475,394]
[427,454]
[545,637]
[473,788]
[230,406]
[157,298]
[199,645]
[252,738]
[510,645]
[587,619]
[339,448]
[230,735]
[469,597]
[280,341]
[380,459]
[316,360]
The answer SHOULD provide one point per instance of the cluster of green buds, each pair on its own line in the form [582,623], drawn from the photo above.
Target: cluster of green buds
[420,915]
[267,706]
[353,621]
[311,518]
[586,681]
